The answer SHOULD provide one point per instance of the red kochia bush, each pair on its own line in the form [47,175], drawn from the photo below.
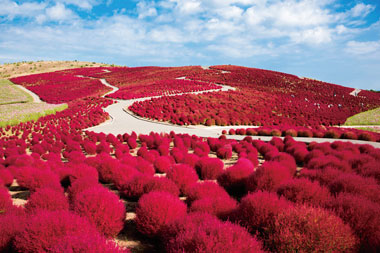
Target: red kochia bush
[232,179]
[218,206]
[162,184]
[224,152]
[44,229]
[32,179]
[268,177]
[162,164]
[6,177]
[303,191]
[286,160]
[86,243]
[258,210]
[10,225]
[134,188]
[103,208]
[5,199]
[156,211]
[47,199]
[80,185]
[363,216]
[308,229]
[205,189]
[183,176]
[212,235]
[209,168]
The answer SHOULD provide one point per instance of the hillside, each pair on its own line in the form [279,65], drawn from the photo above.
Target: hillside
[10,70]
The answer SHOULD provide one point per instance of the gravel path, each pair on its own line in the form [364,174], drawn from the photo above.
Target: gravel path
[355,92]
[123,121]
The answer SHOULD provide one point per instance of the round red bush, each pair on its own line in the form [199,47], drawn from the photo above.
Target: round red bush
[102,208]
[44,229]
[86,243]
[183,176]
[205,189]
[191,160]
[10,225]
[257,211]
[268,177]
[362,215]
[286,160]
[5,199]
[47,199]
[80,185]
[213,236]
[309,229]
[304,191]
[134,188]
[156,211]
[161,184]
[224,152]
[209,168]
[6,177]
[32,179]
[221,207]
[233,178]
[162,164]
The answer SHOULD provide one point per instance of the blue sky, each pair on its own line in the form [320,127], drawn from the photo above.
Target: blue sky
[331,40]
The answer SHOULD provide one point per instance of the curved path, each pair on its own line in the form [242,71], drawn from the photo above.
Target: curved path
[123,121]
[35,97]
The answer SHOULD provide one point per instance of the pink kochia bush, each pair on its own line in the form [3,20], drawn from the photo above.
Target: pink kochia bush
[257,211]
[86,243]
[303,191]
[5,199]
[183,176]
[44,229]
[268,177]
[233,178]
[33,178]
[209,168]
[102,208]
[309,229]
[47,199]
[200,232]
[156,211]
[205,189]
[10,224]
[6,177]
[221,207]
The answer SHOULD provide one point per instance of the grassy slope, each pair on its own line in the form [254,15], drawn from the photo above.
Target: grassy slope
[368,118]
[10,70]
[11,94]
[17,105]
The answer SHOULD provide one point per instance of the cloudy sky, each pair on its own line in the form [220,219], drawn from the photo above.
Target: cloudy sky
[331,40]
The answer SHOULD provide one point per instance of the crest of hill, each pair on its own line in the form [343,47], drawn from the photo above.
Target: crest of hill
[10,70]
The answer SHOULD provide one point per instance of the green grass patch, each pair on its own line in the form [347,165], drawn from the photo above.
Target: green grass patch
[368,118]
[11,94]
[13,114]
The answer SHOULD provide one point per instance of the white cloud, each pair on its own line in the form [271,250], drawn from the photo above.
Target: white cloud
[318,35]
[11,9]
[363,48]
[59,13]
[83,4]
[361,10]
[145,9]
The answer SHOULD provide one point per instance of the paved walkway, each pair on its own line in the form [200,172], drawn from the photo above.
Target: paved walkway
[35,97]
[355,92]
[123,121]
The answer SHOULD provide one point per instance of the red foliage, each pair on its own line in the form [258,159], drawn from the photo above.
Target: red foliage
[209,168]
[257,211]
[183,176]
[6,177]
[102,208]
[44,229]
[60,87]
[156,211]
[161,184]
[86,243]
[205,189]
[202,233]
[46,199]
[80,185]
[162,164]
[233,178]
[287,161]
[303,191]
[363,216]
[268,177]
[224,152]
[5,199]
[308,229]
[10,224]
[221,207]
[32,179]
[191,160]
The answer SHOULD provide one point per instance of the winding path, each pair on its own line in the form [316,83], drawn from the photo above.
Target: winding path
[123,121]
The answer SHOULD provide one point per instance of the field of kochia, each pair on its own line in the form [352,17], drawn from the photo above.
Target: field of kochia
[82,191]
